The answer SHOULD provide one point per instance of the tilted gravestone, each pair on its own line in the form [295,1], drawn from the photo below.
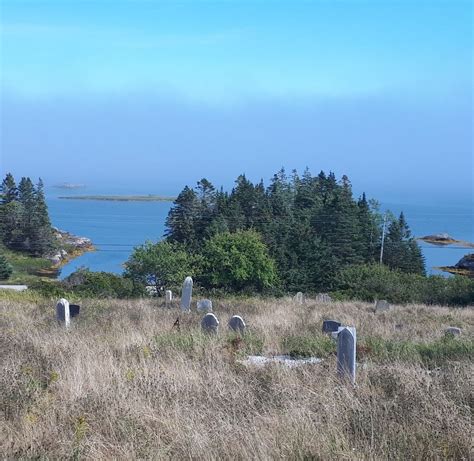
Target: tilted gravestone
[382,305]
[299,298]
[62,312]
[323,298]
[187,294]
[210,324]
[452,331]
[168,298]
[204,305]
[346,353]
[237,324]
[330,325]
[74,310]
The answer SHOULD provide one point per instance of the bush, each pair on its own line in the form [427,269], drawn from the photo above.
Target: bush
[238,261]
[162,265]
[369,282]
[101,285]
[6,269]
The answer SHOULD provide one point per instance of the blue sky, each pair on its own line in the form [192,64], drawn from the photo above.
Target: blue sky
[365,88]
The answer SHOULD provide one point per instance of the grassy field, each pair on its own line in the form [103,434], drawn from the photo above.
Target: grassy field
[26,269]
[122,383]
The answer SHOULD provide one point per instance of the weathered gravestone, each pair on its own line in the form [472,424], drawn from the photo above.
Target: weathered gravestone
[330,325]
[209,323]
[299,298]
[204,305]
[187,294]
[62,312]
[74,310]
[382,305]
[346,353]
[452,331]
[168,298]
[323,298]
[237,324]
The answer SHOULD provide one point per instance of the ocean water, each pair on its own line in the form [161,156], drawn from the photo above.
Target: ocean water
[117,227]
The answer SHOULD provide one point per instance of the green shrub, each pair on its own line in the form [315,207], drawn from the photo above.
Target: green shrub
[369,282]
[6,268]
[102,285]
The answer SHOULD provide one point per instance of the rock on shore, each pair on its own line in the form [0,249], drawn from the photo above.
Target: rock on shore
[70,245]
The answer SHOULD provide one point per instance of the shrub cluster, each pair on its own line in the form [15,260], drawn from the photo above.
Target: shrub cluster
[369,282]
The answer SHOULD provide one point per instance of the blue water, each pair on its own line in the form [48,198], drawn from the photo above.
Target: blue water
[116,227]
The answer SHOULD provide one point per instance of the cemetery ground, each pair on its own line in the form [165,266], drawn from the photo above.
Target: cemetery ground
[123,383]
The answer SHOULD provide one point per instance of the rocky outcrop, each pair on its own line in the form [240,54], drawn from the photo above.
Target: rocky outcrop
[466,262]
[465,266]
[69,246]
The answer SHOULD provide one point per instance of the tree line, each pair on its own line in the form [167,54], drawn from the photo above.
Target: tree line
[24,219]
[297,233]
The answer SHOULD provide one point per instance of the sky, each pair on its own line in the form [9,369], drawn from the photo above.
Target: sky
[152,95]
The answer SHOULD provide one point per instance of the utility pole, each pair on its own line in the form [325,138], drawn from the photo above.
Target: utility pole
[383,236]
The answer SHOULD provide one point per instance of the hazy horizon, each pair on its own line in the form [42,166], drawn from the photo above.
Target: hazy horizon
[150,97]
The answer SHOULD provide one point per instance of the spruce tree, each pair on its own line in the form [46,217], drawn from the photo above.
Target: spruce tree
[6,269]
[182,223]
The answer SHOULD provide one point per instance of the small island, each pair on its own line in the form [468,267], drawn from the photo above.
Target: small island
[445,239]
[121,198]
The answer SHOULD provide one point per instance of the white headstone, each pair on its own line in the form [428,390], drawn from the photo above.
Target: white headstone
[187,294]
[381,305]
[209,323]
[346,353]
[62,312]
[237,324]
[323,298]
[299,297]
[204,305]
[168,298]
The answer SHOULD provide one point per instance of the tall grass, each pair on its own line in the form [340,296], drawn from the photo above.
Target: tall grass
[124,384]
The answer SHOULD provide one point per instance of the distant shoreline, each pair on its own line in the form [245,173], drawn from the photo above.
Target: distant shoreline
[121,198]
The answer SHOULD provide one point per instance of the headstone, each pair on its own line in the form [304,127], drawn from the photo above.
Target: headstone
[346,353]
[330,325]
[168,298]
[453,331]
[74,310]
[187,294]
[62,312]
[299,298]
[237,324]
[204,305]
[381,305]
[209,323]
[323,298]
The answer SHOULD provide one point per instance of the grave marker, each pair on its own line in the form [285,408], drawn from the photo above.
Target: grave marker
[330,325]
[346,353]
[210,324]
[382,305]
[187,294]
[204,305]
[237,324]
[168,298]
[62,312]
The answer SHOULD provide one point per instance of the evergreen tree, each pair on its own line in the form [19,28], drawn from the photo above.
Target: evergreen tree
[5,268]
[183,219]
[400,250]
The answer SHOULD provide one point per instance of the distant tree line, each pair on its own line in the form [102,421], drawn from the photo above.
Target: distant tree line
[24,219]
[298,233]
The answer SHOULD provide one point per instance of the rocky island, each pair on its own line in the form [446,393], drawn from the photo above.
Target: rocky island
[121,198]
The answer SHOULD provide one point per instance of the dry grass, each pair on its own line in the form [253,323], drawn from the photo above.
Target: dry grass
[122,384]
